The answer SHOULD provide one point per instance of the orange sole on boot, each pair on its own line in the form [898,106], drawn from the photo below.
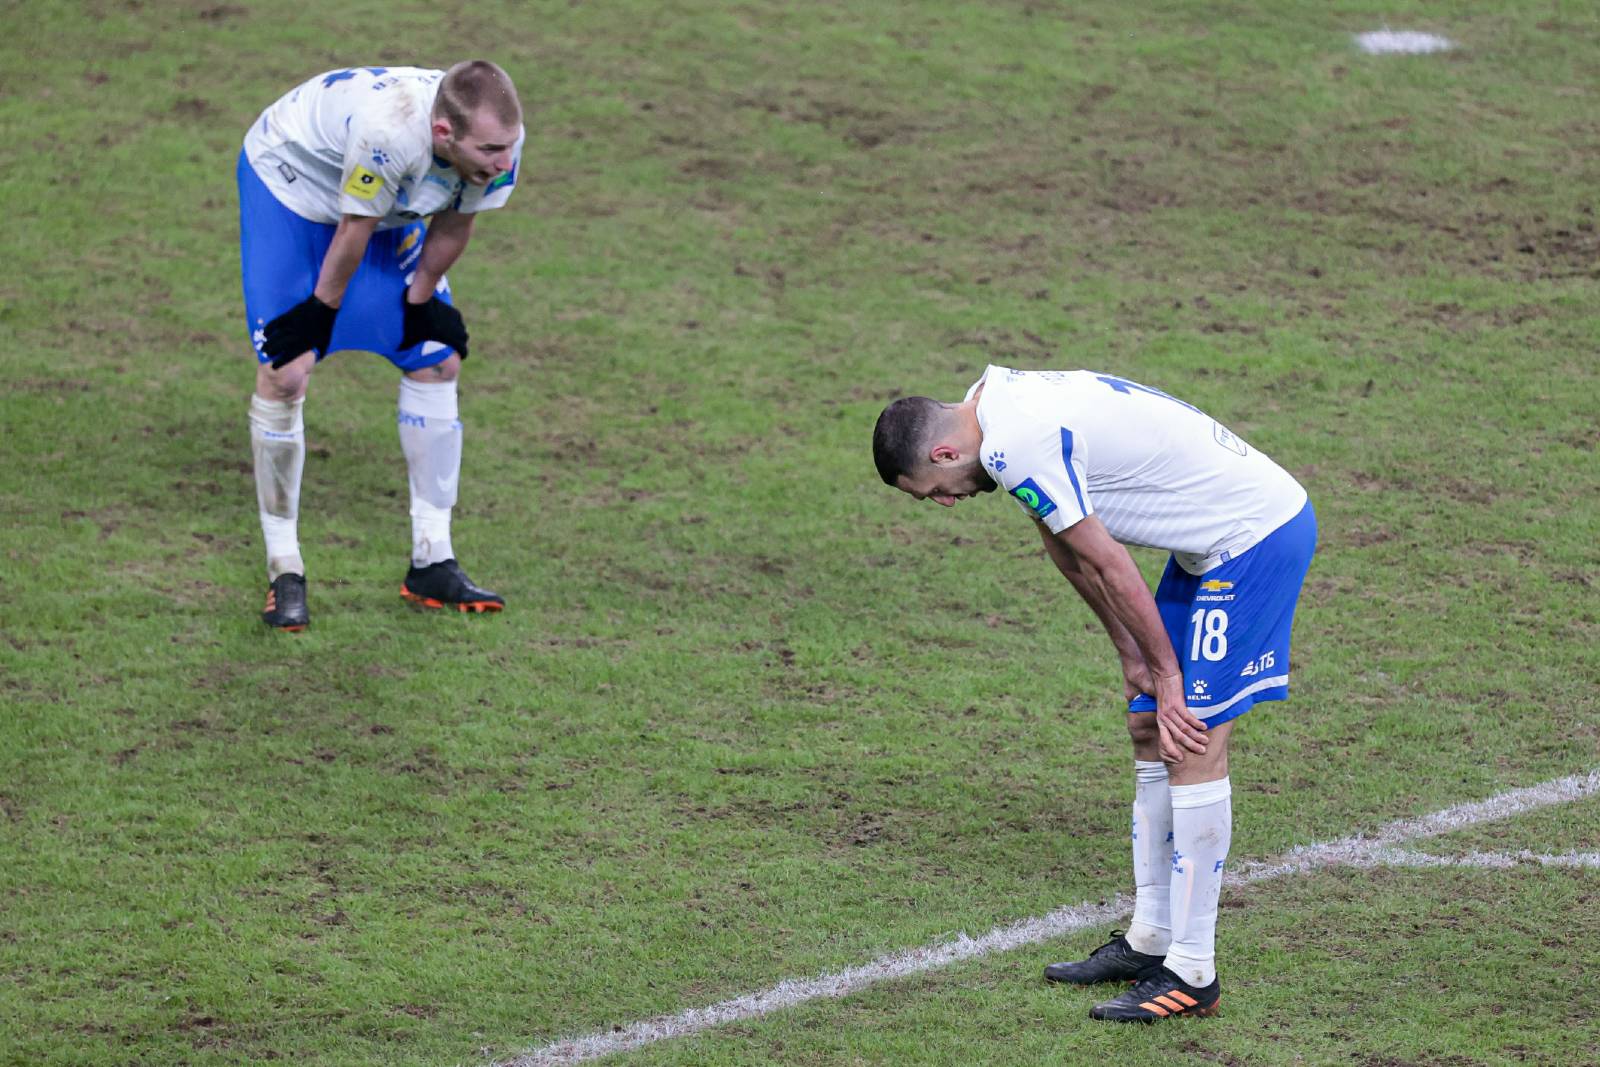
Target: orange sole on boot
[477,607]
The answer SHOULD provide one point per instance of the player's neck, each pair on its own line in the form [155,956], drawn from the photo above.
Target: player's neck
[970,430]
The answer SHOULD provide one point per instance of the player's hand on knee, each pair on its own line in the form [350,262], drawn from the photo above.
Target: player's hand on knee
[434,321]
[1181,731]
[306,327]
[1172,750]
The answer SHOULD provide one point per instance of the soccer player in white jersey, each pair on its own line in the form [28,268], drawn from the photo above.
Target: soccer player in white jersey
[1099,462]
[334,181]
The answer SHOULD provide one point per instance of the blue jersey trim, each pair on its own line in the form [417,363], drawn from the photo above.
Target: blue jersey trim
[1122,385]
[1072,475]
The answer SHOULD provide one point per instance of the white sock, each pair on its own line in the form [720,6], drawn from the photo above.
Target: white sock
[1202,829]
[278,444]
[430,436]
[1151,929]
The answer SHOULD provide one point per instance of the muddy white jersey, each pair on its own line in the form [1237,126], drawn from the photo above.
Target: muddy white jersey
[1157,471]
[360,142]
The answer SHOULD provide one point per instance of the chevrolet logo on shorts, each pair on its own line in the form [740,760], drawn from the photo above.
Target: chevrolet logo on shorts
[1215,585]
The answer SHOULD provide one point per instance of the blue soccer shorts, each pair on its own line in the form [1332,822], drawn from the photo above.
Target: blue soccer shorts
[281,256]
[1230,626]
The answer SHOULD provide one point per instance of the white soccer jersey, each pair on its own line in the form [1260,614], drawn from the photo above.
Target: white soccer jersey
[1159,472]
[359,142]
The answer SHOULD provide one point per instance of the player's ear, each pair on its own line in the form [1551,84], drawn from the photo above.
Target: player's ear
[944,454]
[442,128]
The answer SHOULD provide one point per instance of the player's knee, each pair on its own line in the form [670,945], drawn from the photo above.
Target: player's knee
[446,371]
[1143,729]
[287,382]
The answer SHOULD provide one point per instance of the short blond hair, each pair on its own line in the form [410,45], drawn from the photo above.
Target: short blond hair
[474,84]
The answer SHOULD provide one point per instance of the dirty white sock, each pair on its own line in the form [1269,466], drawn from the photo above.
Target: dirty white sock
[430,436]
[278,446]
[1151,929]
[1202,830]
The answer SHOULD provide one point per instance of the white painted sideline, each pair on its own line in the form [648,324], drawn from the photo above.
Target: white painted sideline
[1358,850]
[1402,42]
[1404,857]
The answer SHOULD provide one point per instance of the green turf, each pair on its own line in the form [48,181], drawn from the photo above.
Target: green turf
[751,714]
[1340,967]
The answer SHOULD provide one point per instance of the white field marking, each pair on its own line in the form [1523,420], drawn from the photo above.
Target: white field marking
[1401,42]
[1359,850]
[1404,857]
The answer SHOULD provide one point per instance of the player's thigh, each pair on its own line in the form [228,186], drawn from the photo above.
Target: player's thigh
[372,318]
[280,254]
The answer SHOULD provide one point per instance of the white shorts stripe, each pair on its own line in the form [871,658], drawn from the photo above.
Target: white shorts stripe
[1205,711]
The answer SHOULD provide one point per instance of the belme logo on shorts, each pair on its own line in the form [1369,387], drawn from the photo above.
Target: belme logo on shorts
[1036,499]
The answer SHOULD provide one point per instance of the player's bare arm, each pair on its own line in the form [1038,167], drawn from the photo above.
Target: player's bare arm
[449,232]
[1111,577]
[428,318]
[343,257]
[1136,677]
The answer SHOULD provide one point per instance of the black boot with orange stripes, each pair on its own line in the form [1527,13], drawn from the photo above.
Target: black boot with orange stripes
[446,585]
[1160,994]
[286,604]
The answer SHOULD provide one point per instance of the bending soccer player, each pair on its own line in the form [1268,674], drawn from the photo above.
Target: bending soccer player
[334,181]
[1098,463]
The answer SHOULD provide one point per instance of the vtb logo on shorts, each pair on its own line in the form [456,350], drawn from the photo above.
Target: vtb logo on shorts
[1036,499]
[363,184]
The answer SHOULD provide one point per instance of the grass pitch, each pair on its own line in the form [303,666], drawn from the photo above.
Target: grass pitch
[750,714]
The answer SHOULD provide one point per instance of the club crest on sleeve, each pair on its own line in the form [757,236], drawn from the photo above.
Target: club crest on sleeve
[1036,499]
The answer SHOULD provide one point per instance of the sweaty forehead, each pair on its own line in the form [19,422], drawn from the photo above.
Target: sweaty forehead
[486,127]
